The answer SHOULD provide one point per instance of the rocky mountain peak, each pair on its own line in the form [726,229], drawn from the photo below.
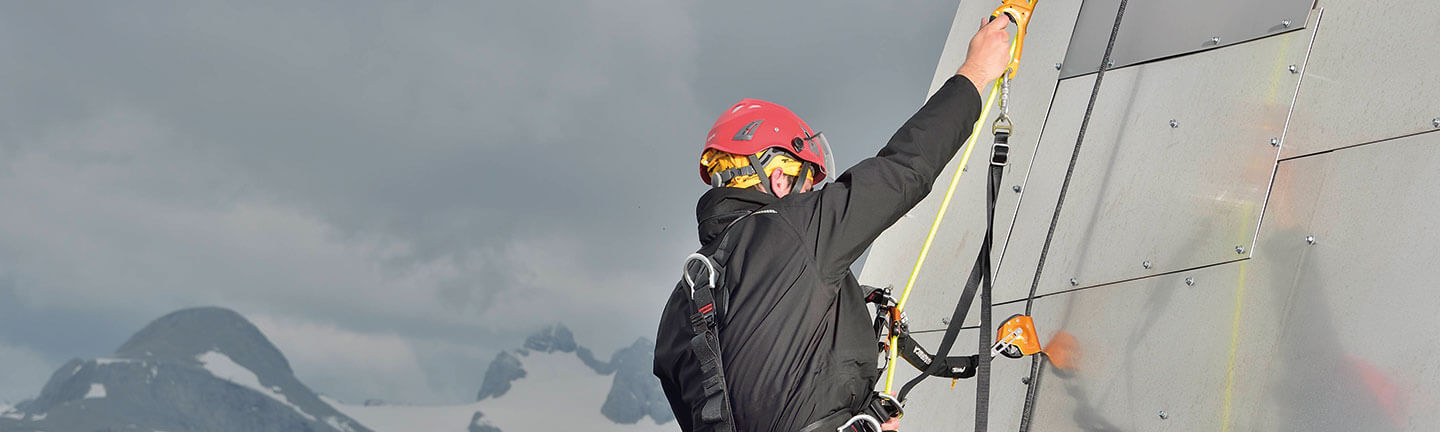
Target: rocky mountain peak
[181,336]
[552,338]
[195,369]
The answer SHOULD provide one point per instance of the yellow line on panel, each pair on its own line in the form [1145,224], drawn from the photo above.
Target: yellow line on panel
[1234,347]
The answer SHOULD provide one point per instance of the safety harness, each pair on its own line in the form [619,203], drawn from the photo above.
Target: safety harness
[704,271]
[704,276]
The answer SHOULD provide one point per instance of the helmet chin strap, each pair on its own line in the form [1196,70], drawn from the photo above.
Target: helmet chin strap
[760,172]
[800,179]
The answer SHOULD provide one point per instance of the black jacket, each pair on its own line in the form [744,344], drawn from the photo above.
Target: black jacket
[796,340]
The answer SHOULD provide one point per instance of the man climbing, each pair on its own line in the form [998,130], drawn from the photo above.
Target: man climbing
[785,341]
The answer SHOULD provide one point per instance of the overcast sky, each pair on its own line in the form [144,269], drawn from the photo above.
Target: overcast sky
[395,191]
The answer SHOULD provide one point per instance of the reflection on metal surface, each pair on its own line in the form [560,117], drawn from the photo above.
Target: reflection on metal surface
[1358,338]
[1148,346]
[893,255]
[1180,197]
[1367,82]
[1163,28]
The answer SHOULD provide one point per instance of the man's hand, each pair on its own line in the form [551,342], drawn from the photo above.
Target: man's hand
[989,53]
[891,425]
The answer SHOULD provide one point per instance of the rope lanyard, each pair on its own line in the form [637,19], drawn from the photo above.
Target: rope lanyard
[1019,12]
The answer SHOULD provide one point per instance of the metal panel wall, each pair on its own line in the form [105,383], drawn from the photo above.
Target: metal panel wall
[1326,321]
[1369,78]
[1176,164]
[955,246]
[1158,29]
[1329,327]
[1153,354]
[1358,349]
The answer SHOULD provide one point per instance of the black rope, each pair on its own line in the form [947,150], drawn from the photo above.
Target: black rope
[1036,363]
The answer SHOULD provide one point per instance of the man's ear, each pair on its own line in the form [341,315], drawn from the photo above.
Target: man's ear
[779,183]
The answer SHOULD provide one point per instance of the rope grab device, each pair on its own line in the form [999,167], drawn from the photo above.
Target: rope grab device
[1016,337]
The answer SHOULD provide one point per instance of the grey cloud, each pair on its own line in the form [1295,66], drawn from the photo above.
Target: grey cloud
[512,164]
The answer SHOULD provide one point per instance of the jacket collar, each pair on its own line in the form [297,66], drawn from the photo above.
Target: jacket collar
[720,206]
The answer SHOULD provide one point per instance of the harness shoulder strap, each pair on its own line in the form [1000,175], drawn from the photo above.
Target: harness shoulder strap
[704,275]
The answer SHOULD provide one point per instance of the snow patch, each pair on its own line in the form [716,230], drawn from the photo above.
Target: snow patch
[558,393]
[222,367]
[97,391]
[7,411]
[106,361]
[406,418]
[339,425]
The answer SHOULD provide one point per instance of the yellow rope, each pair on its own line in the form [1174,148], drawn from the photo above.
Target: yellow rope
[1019,10]
[935,227]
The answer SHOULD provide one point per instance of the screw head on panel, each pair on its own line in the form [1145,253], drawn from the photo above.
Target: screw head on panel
[945,321]
[1016,188]
[1275,142]
[1074,282]
[1285,23]
[1215,40]
[1174,123]
[1189,281]
[1435,122]
[1310,240]
[1239,249]
[1110,63]
[1293,69]
[1025,380]
[1163,415]
[1058,65]
[1145,264]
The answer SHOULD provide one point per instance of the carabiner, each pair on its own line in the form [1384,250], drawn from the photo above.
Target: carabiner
[1019,13]
[1002,125]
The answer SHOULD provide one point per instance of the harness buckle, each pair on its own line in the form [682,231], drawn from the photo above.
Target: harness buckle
[1000,154]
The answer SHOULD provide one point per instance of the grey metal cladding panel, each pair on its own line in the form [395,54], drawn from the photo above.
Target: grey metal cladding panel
[1158,344]
[935,406]
[1358,348]
[955,246]
[1366,80]
[1178,197]
[1047,172]
[1153,29]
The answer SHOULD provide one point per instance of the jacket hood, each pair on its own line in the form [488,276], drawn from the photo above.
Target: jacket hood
[720,206]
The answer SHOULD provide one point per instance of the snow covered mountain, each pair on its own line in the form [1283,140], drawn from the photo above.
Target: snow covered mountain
[210,369]
[203,369]
[550,384]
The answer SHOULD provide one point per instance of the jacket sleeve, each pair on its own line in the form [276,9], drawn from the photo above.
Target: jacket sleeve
[869,197]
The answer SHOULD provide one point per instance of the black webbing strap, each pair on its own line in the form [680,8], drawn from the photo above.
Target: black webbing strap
[705,345]
[999,156]
[964,367]
[945,367]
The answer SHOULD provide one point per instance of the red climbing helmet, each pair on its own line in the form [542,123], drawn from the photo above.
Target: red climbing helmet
[754,125]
